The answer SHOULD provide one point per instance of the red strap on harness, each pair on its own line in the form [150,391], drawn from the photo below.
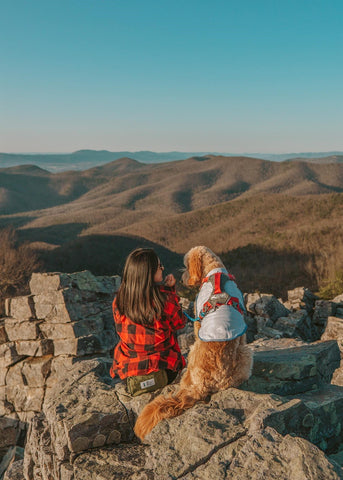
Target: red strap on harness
[217,289]
[217,280]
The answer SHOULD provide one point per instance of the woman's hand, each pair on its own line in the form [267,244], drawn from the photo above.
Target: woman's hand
[170,280]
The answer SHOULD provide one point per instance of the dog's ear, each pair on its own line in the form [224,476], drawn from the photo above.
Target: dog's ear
[195,267]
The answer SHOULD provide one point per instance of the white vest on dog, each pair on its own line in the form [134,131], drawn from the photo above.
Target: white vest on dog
[225,322]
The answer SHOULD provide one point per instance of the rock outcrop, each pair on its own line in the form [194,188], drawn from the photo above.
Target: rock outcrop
[62,417]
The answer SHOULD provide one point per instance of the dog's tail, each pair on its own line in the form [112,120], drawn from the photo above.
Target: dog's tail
[165,407]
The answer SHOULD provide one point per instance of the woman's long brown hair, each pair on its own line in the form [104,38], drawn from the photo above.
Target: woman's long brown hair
[139,297]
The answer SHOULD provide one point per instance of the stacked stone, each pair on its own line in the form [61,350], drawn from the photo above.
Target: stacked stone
[66,318]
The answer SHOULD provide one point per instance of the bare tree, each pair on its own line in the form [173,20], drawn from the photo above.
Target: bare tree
[17,262]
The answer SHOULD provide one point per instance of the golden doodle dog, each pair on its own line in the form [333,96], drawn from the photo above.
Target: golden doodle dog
[219,358]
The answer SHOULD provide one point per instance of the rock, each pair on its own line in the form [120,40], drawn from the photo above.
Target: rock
[301,298]
[82,413]
[54,375]
[296,324]
[266,306]
[37,370]
[334,331]
[338,299]
[125,462]
[322,311]
[88,345]
[18,330]
[8,355]
[25,398]
[186,338]
[324,417]
[15,471]
[215,437]
[82,328]
[337,457]
[251,323]
[266,455]
[312,366]
[9,432]
[205,429]
[20,308]
[3,334]
[34,348]
[13,455]
[51,282]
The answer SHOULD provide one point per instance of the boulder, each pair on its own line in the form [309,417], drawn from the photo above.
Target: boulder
[265,455]
[322,311]
[301,298]
[266,306]
[323,416]
[83,412]
[230,438]
[312,365]
[296,324]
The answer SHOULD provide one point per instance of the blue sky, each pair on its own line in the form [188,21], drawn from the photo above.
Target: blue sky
[225,76]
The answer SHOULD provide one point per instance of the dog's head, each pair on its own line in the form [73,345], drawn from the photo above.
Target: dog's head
[199,261]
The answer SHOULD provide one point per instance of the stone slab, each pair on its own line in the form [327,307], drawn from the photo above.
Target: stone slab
[50,282]
[17,330]
[57,331]
[287,367]
[34,348]
[21,308]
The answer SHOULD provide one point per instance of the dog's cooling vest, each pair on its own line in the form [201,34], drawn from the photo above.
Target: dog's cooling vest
[225,320]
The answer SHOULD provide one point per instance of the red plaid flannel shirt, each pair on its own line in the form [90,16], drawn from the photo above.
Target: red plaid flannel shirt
[141,349]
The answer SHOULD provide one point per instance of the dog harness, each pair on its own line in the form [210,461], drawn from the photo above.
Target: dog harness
[220,307]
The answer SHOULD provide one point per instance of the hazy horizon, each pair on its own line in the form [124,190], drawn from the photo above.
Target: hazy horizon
[334,152]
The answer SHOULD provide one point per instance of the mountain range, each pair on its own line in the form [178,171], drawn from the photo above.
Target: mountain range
[251,211]
[84,159]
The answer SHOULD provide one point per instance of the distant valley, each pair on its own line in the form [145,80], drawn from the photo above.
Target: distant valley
[282,215]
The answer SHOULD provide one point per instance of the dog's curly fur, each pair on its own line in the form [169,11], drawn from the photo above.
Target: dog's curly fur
[212,366]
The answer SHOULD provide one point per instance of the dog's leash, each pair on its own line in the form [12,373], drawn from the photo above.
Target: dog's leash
[191,318]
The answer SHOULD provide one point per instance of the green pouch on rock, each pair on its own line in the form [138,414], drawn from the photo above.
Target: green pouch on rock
[146,383]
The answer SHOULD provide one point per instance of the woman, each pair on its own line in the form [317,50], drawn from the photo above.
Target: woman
[147,313]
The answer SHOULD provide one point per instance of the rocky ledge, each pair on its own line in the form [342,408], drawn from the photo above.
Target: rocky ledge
[63,418]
